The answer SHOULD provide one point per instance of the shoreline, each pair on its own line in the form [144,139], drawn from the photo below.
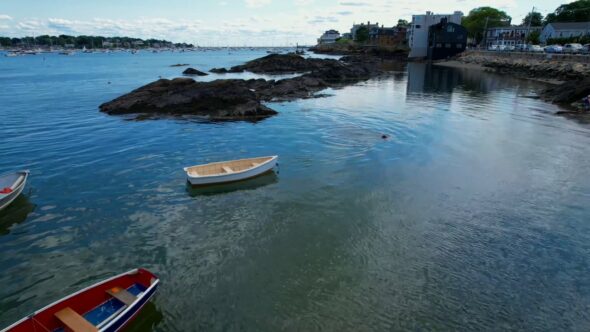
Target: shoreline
[476,66]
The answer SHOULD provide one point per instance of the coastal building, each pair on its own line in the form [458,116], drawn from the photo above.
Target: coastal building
[508,36]
[137,43]
[387,37]
[446,39]
[418,33]
[107,44]
[355,28]
[564,30]
[329,37]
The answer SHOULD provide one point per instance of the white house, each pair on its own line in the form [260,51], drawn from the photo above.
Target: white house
[329,37]
[564,30]
[509,36]
[418,32]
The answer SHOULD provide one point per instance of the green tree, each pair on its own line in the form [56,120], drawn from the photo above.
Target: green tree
[401,23]
[535,18]
[577,11]
[475,22]
[534,37]
[362,35]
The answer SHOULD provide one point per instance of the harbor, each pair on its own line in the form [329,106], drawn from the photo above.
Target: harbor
[449,221]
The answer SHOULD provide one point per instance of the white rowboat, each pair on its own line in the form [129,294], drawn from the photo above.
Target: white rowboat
[229,171]
[11,185]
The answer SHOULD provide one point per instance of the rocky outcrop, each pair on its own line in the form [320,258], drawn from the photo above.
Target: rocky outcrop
[570,94]
[241,99]
[221,99]
[193,71]
[180,65]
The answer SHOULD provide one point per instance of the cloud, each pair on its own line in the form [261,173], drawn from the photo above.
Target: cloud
[322,20]
[354,4]
[257,3]
[4,17]
[303,2]
[344,13]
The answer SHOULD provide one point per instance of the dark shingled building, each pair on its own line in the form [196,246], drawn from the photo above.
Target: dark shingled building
[446,40]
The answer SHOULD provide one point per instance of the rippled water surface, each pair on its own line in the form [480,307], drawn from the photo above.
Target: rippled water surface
[473,215]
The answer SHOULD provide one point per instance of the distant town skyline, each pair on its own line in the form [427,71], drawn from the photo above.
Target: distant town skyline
[229,22]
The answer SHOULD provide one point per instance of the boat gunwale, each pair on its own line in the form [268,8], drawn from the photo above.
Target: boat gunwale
[24,174]
[130,272]
[271,158]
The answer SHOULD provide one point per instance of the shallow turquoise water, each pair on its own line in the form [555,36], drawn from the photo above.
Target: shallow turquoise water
[473,215]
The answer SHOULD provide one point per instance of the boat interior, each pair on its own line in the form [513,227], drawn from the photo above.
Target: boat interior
[92,309]
[11,181]
[227,167]
[103,314]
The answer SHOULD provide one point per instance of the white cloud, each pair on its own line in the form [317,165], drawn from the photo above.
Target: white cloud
[257,3]
[4,17]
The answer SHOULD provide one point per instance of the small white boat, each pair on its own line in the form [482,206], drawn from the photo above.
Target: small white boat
[230,171]
[11,185]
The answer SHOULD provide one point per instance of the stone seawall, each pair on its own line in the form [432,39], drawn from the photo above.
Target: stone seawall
[577,58]
[563,67]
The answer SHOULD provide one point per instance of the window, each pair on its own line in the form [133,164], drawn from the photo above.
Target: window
[438,45]
[448,45]
[459,45]
[450,28]
[417,26]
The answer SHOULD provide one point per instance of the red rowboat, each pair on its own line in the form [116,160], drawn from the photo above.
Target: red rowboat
[106,306]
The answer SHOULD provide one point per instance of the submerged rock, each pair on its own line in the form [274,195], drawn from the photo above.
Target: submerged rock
[193,71]
[221,99]
[180,65]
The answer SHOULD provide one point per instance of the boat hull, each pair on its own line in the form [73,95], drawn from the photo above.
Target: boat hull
[7,199]
[233,177]
[91,298]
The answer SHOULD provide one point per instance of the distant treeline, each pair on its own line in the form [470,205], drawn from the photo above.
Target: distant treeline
[87,41]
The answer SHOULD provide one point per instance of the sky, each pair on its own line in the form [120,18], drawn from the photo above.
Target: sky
[228,22]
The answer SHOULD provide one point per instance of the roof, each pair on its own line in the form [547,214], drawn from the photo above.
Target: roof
[515,27]
[570,25]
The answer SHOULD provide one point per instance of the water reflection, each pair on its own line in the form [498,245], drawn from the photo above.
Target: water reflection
[15,213]
[147,320]
[250,184]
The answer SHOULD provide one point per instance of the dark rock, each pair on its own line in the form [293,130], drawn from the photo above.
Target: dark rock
[240,99]
[193,71]
[221,99]
[568,92]
[219,70]
[179,65]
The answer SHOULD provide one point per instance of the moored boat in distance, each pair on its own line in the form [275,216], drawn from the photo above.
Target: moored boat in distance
[106,306]
[229,171]
[11,186]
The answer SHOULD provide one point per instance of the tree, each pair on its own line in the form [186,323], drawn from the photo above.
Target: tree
[577,11]
[536,19]
[401,23]
[534,37]
[362,35]
[475,22]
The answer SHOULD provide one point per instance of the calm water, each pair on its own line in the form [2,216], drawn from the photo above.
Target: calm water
[474,215]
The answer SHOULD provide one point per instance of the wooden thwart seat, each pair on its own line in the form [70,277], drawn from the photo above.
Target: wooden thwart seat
[122,295]
[227,169]
[74,321]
